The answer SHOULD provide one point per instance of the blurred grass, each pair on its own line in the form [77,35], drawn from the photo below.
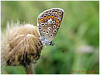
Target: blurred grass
[80,27]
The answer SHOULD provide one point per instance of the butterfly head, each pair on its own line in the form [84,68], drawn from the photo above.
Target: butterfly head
[48,23]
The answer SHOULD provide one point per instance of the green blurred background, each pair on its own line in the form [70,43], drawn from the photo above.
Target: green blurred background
[78,35]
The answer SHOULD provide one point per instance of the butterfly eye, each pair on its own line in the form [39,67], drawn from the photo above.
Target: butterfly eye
[54,30]
[54,26]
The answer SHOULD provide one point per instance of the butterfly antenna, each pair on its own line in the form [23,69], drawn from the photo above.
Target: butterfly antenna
[61,48]
[43,58]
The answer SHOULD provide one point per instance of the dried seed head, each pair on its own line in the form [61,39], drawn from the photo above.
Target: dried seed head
[20,45]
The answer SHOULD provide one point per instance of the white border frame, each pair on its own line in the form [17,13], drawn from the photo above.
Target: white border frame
[49,0]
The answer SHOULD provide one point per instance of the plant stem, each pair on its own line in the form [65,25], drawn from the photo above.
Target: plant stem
[29,69]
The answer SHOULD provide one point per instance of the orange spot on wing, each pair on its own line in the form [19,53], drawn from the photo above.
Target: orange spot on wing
[59,14]
[39,20]
[44,17]
[52,17]
[55,17]
[48,17]
[57,21]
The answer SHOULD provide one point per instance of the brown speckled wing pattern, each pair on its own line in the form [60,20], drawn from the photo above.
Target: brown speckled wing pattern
[49,22]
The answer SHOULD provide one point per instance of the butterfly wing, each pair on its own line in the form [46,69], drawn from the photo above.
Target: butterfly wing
[48,23]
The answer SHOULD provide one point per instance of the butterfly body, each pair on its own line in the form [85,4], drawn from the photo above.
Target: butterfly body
[46,41]
[48,23]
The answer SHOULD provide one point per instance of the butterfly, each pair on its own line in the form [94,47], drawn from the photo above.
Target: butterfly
[48,23]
